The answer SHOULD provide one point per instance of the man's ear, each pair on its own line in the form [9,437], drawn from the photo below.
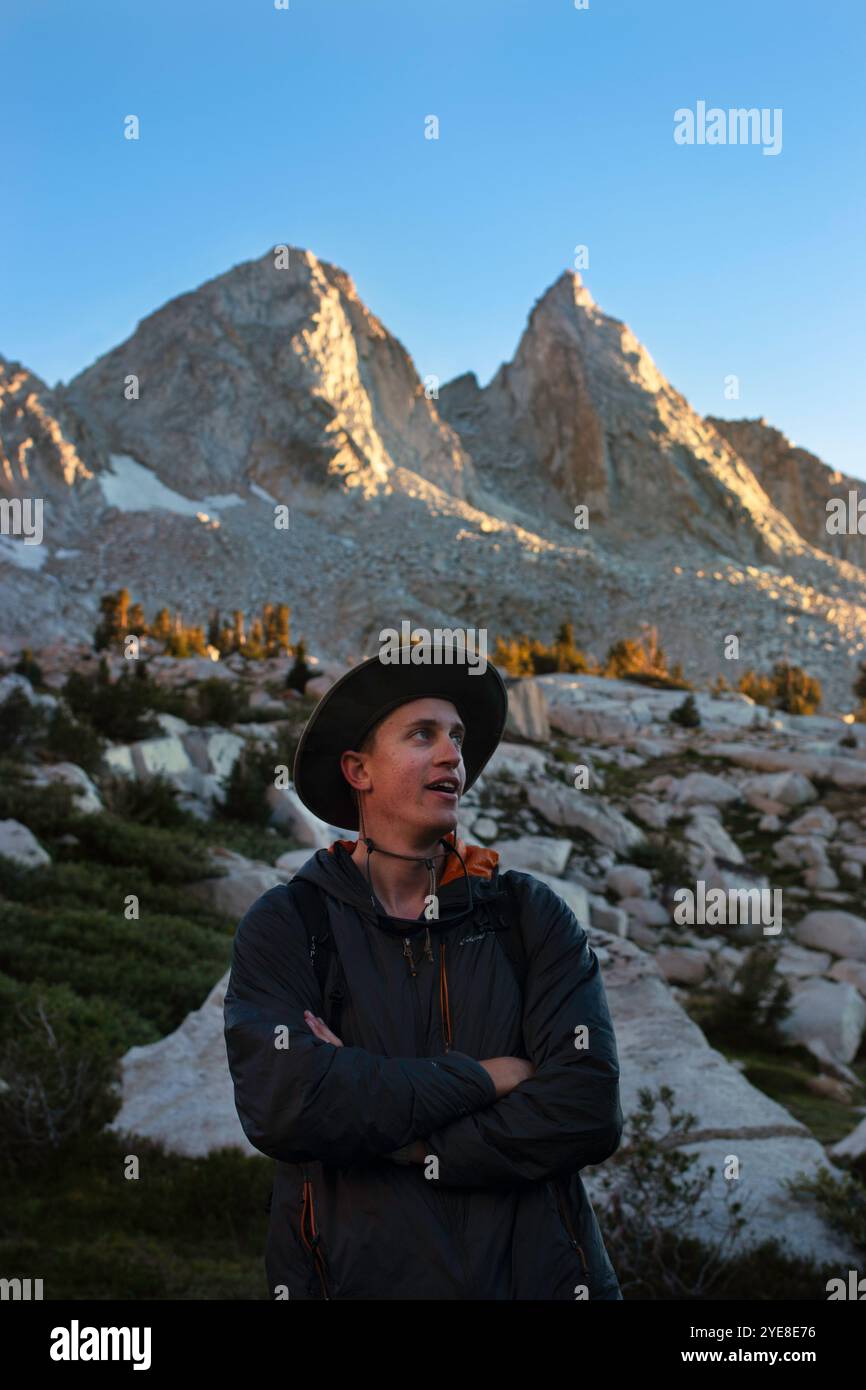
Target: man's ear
[352,766]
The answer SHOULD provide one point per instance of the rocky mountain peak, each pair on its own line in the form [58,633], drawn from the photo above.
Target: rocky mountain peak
[37,448]
[798,482]
[274,383]
[271,374]
[582,415]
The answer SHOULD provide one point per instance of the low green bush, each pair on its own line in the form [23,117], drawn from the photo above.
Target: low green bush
[158,967]
[647,1216]
[253,773]
[687,715]
[665,858]
[74,741]
[47,810]
[218,701]
[149,800]
[841,1201]
[120,710]
[27,666]
[185,1228]
[58,1071]
[750,1011]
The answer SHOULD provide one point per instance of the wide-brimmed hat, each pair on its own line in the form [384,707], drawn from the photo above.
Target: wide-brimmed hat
[364,695]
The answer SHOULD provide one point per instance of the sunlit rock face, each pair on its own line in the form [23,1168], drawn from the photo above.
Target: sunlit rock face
[265,437]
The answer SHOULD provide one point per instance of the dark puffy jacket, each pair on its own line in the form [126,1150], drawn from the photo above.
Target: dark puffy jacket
[504,1214]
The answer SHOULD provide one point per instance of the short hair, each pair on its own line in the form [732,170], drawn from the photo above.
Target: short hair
[368,742]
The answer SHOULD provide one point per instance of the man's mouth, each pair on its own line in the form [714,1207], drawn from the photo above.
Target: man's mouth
[446,787]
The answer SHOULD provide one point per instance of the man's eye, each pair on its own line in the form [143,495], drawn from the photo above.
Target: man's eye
[459,737]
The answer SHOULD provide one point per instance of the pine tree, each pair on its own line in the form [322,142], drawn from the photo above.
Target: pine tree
[687,714]
[213,628]
[283,638]
[796,692]
[137,623]
[268,627]
[112,624]
[300,672]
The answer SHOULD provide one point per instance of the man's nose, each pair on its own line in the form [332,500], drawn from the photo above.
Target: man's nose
[450,757]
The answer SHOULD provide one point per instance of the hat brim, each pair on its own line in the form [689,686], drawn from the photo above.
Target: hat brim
[365,695]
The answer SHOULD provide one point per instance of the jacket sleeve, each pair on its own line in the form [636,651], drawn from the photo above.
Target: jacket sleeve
[567,1115]
[310,1099]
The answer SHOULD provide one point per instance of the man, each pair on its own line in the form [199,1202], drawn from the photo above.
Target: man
[428,1144]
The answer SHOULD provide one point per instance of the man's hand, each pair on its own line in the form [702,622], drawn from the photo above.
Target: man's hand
[410,1153]
[507,1072]
[320,1029]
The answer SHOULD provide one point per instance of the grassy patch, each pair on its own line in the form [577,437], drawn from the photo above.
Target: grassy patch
[72,921]
[741,822]
[619,783]
[100,983]
[185,1229]
[623,782]
[253,841]
[782,1073]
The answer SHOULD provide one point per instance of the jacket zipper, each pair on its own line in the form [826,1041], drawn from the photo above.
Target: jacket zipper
[313,1244]
[567,1228]
[454,1223]
[450,1216]
[416,1000]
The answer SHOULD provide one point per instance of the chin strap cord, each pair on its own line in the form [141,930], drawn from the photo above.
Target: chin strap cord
[444,1008]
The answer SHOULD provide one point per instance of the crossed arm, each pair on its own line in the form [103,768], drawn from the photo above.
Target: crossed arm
[507,1072]
[314,1099]
[564,1113]
[300,1099]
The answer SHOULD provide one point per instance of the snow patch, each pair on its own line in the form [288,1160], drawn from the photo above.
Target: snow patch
[26,557]
[131,487]
[260,492]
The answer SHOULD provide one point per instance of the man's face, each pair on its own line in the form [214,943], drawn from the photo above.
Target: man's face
[419,743]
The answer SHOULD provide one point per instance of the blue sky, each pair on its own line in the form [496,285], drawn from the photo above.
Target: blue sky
[261,126]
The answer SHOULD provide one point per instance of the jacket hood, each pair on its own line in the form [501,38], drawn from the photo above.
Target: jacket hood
[335,870]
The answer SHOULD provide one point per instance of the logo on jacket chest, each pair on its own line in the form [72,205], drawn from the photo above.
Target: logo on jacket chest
[474,936]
